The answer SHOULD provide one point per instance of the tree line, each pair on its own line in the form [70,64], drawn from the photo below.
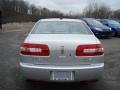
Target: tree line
[21,11]
[101,11]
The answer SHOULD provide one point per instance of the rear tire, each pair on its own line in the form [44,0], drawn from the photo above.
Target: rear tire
[114,33]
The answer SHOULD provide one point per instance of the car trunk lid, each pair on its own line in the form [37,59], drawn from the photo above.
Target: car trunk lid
[62,48]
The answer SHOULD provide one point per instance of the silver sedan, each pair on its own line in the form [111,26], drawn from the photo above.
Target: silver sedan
[61,50]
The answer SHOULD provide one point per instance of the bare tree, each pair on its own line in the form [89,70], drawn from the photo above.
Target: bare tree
[19,10]
[97,11]
[116,14]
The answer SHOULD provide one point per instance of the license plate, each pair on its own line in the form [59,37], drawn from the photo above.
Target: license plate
[62,76]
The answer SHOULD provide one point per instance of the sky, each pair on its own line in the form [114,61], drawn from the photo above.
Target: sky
[73,6]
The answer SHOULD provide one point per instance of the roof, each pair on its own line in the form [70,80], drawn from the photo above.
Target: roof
[63,19]
[88,19]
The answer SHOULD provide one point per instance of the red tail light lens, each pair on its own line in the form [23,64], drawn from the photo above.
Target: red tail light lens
[90,50]
[34,49]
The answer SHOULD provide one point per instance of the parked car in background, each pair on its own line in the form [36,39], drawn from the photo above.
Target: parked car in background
[61,50]
[112,24]
[98,28]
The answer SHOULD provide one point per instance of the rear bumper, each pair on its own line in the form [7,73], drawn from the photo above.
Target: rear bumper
[81,73]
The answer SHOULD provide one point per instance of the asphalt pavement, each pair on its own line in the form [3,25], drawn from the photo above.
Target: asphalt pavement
[12,79]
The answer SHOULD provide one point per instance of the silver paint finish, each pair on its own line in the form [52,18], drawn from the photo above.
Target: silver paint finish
[62,56]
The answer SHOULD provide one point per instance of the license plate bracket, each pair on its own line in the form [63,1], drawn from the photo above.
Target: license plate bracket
[62,76]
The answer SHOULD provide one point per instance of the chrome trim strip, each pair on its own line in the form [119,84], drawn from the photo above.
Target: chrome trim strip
[61,67]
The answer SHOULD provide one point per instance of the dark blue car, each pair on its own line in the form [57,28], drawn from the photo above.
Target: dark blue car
[112,24]
[98,28]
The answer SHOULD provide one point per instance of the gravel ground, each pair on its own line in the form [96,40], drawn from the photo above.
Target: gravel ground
[17,26]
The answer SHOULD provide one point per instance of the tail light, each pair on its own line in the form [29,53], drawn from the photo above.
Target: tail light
[34,49]
[90,50]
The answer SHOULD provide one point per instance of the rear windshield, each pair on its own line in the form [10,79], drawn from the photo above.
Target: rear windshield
[60,27]
[113,22]
[94,22]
